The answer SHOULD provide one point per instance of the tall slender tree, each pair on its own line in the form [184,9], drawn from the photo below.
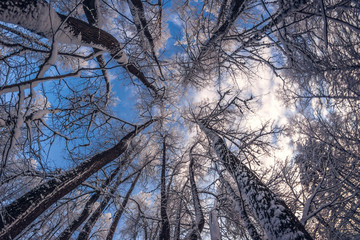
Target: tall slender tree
[19,214]
[93,92]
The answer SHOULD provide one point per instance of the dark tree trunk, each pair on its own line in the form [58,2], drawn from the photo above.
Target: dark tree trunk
[178,216]
[235,8]
[92,15]
[165,225]
[39,17]
[215,232]
[66,234]
[199,216]
[19,214]
[138,13]
[86,230]
[119,212]
[91,12]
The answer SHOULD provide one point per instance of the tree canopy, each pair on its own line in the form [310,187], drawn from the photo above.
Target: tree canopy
[130,119]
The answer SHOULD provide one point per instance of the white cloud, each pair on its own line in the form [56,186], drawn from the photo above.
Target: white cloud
[269,108]
[175,19]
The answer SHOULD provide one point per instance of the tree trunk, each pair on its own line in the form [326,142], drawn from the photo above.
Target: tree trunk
[138,13]
[38,16]
[240,209]
[19,214]
[178,215]
[215,233]
[92,13]
[66,234]
[86,230]
[235,8]
[165,225]
[199,216]
[119,212]
[272,213]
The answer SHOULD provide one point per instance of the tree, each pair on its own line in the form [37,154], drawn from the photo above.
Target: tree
[240,208]
[165,226]
[87,156]
[26,208]
[272,213]
[199,215]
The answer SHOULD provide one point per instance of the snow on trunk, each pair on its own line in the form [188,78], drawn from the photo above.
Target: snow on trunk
[239,207]
[137,12]
[272,213]
[38,16]
[23,211]
[49,61]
